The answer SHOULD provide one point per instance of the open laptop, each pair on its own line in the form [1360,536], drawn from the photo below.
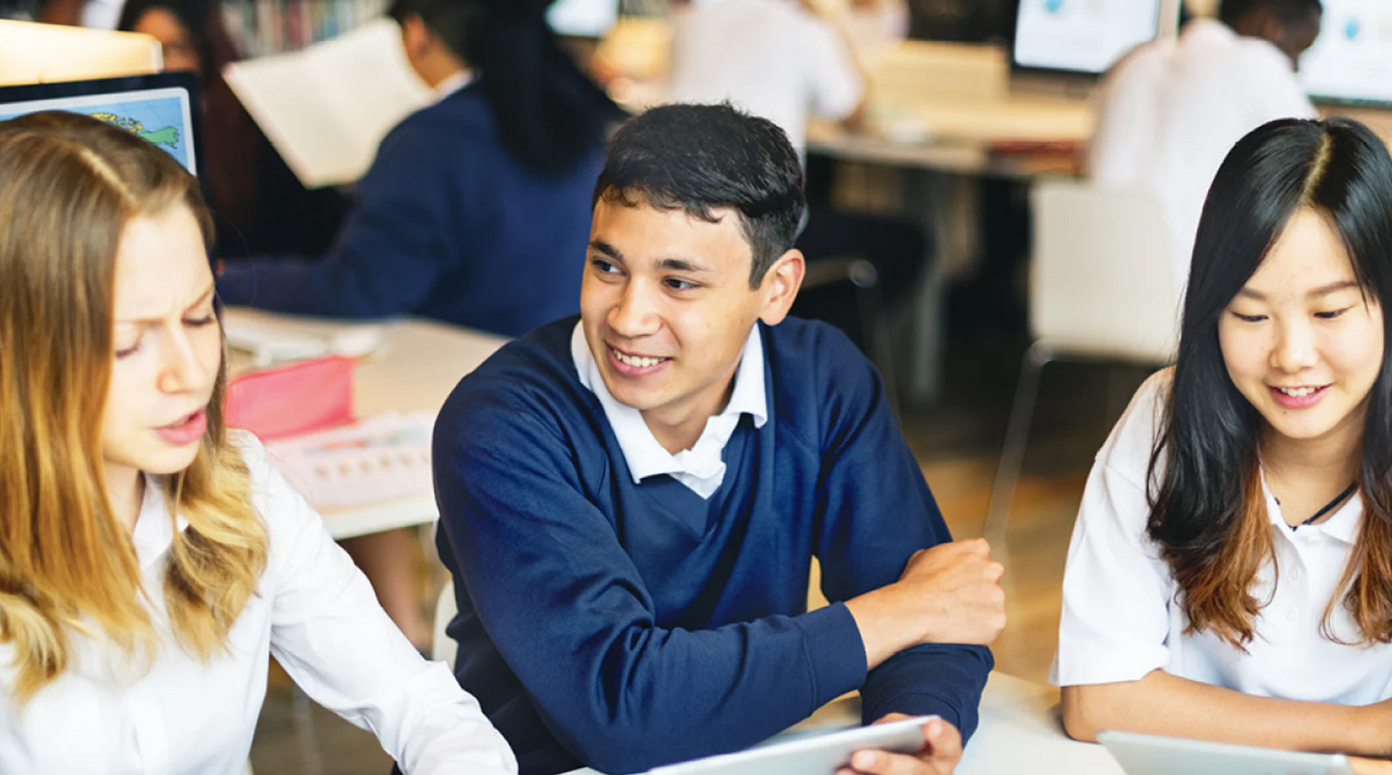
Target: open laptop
[1352,57]
[1154,755]
[161,108]
[1065,46]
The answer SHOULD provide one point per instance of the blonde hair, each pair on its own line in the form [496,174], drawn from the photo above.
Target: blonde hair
[68,186]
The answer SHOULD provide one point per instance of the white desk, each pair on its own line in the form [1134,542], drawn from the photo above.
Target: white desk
[414,369]
[949,162]
[1019,734]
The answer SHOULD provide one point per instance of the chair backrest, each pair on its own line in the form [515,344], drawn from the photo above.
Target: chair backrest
[1102,277]
[442,646]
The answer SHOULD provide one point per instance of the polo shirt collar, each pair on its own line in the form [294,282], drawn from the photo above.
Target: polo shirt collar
[1343,525]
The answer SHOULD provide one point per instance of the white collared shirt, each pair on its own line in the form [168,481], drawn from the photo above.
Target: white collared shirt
[313,609]
[1171,110]
[452,84]
[1120,619]
[701,467]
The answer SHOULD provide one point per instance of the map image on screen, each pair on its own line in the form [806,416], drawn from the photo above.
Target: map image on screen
[160,116]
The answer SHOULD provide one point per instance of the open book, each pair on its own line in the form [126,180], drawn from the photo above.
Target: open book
[326,108]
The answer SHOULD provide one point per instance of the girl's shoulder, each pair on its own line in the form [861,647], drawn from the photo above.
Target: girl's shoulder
[253,454]
[280,506]
[1128,449]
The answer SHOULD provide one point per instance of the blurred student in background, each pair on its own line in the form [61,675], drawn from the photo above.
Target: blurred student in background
[256,202]
[1170,111]
[476,209]
[873,27]
[151,560]
[97,14]
[779,60]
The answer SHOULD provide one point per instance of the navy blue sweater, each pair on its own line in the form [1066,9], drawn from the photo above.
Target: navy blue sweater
[623,626]
[445,224]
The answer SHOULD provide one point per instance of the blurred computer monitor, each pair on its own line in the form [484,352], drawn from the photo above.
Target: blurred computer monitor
[1351,62]
[36,53]
[162,108]
[583,18]
[1080,37]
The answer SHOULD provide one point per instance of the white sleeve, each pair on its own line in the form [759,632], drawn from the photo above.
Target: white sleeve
[1288,99]
[836,84]
[1116,591]
[1128,119]
[1276,91]
[333,638]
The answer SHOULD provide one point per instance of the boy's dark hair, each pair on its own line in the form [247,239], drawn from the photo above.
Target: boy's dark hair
[1230,12]
[701,158]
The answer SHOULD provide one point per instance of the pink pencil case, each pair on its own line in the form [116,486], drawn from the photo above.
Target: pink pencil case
[293,399]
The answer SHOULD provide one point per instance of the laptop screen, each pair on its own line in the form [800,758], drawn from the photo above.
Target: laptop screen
[1080,36]
[162,108]
[1352,58]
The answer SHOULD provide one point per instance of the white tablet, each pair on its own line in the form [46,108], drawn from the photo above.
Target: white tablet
[1153,755]
[819,754]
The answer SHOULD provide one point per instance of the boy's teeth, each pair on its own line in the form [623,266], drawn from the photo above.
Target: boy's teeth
[1297,392]
[636,361]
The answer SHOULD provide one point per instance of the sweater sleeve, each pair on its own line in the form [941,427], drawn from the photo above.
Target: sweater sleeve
[398,239]
[568,610]
[877,512]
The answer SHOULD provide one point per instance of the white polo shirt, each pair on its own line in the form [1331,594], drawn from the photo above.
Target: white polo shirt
[1120,619]
[1170,111]
[702,467]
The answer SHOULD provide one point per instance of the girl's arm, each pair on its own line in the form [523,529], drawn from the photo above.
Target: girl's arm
[1165,704]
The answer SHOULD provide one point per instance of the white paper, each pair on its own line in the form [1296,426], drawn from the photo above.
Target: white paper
[271,338]
[386,457]
[326,108]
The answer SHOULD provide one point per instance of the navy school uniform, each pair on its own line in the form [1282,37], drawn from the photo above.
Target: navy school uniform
[622,626]
[446,224]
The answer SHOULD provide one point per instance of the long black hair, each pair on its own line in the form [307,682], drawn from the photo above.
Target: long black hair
[1207,511]
[549,114]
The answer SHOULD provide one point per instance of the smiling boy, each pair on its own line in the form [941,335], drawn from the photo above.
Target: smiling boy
[630,503]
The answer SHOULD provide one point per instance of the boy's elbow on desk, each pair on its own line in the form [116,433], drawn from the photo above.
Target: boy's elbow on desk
[616,751]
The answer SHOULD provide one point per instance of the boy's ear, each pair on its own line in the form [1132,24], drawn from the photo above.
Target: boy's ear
[780,286]
[415,36]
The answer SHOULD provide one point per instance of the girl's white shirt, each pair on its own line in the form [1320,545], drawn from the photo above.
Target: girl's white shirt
[1121,620]
[313,610]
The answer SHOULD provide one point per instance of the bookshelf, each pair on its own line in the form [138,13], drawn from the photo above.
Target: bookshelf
[261,27]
